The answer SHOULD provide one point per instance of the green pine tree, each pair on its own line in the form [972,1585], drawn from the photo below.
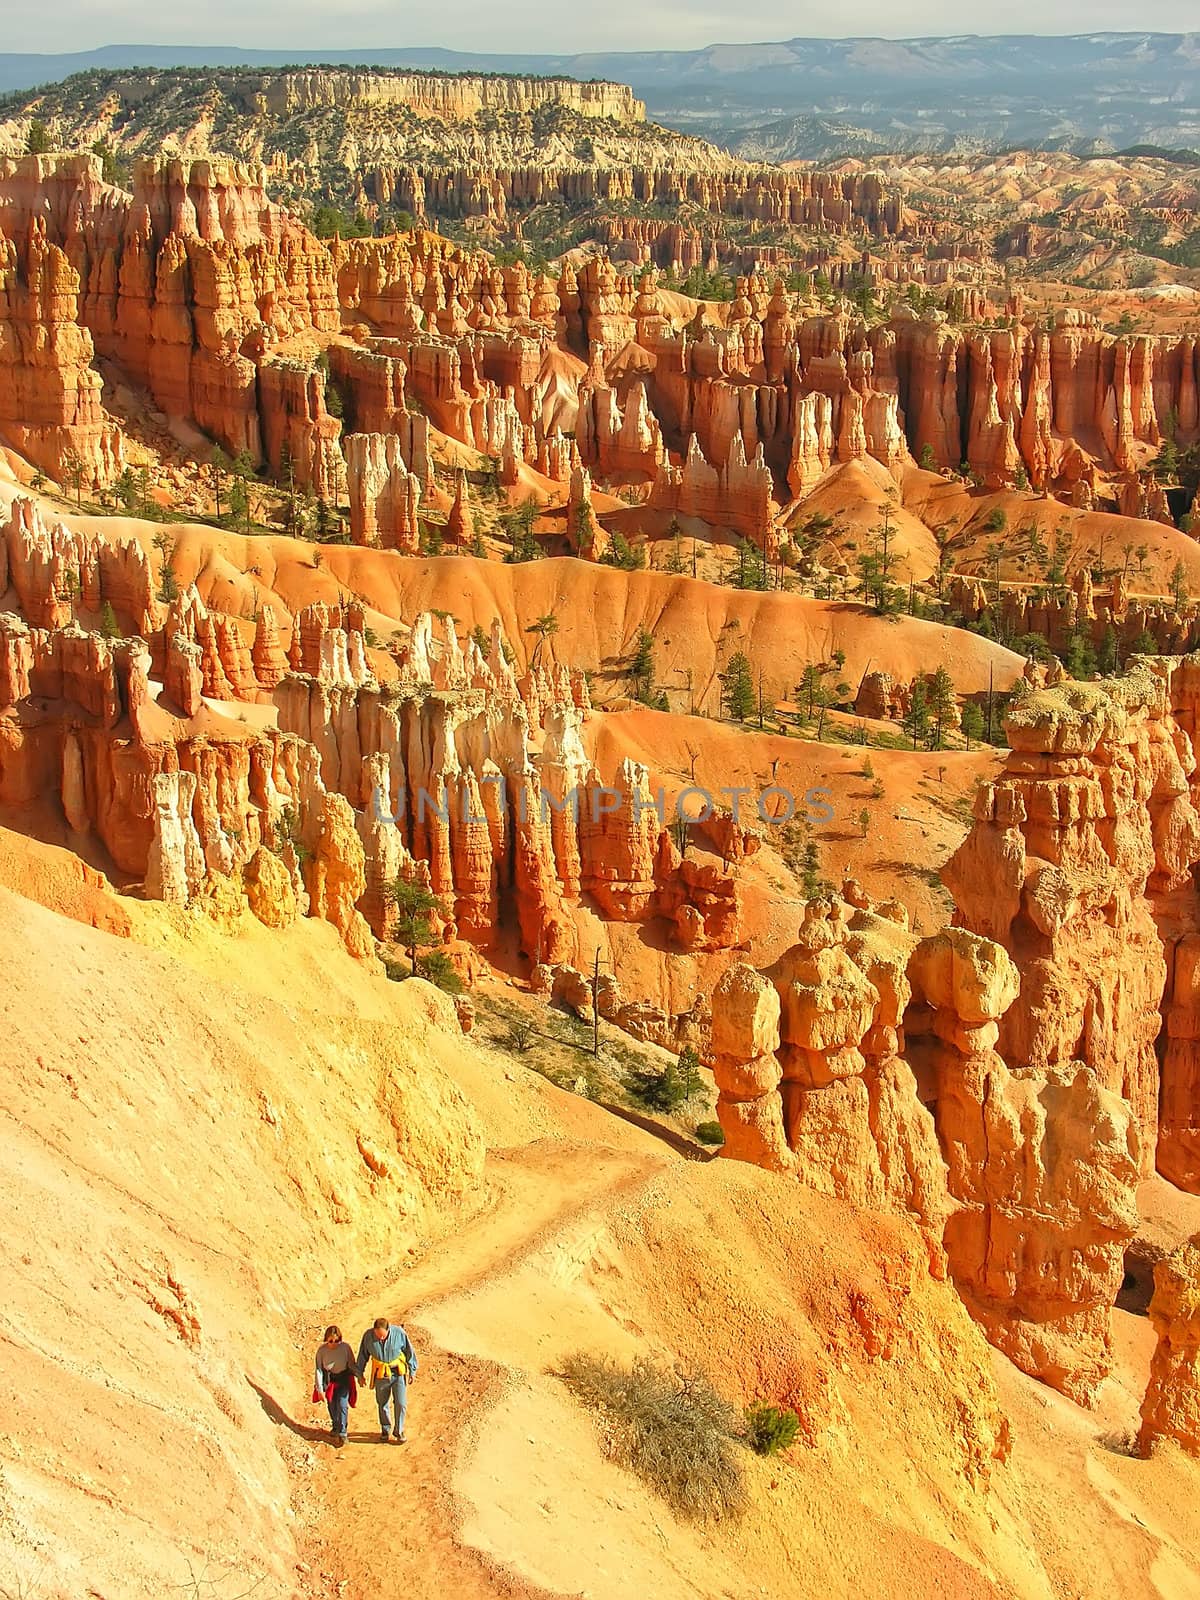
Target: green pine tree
[413,905]
[942,701]
[641,669]
[1108,657]
[737,682]
[916,718]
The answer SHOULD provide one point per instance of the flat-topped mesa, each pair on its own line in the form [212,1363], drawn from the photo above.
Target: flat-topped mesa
[1042,1167]
[1092,808]
[374,373]
[459,97]
[50,393]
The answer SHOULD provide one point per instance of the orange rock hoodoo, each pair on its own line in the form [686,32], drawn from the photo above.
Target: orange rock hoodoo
[435,770]
[1001,1081]
[1171,1408]
[219,302]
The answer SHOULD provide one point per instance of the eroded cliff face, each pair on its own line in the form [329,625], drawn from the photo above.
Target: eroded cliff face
[454,770]
[50,394]
[1090,833]
[1021,1052]
[1091,816]
[865,1063]
[1078,609]
[189,283]
[806,1059]
[231,313]
[458,97]
[1171,1407]
[1041,1166]
[1002,1083]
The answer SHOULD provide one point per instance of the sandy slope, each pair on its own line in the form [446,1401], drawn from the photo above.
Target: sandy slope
[216,1140]
[183,1163]
[697,626]
[1093,538]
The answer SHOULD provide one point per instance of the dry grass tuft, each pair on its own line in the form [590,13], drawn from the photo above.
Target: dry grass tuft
[672,1429]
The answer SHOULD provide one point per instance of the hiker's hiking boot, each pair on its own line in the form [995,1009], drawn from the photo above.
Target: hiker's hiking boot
[400,1439]
[384,1436]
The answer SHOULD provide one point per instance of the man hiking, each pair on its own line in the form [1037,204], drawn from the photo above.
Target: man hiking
[387,1349]
[335,1380]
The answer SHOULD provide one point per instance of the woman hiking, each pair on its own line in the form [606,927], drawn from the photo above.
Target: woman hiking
[335,1381]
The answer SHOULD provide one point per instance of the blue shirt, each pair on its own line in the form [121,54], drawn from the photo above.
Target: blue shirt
[394,1346]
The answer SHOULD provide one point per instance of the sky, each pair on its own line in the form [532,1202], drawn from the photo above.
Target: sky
[550,28]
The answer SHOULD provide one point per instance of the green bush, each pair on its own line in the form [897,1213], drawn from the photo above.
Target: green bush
[657,1089]
[770,1429]
[436,967]
[672,1429]
[710,1133]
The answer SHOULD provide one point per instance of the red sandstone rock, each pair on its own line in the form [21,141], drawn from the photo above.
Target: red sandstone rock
[269,890]
[335,875]
[385,497]
[1171,1407]
[1043,1162]
[745,1041]
[267,654]
[1056,869]
[50,393]
[56,571]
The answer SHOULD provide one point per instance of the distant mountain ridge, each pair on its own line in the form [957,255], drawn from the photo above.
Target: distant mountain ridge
[1085,92]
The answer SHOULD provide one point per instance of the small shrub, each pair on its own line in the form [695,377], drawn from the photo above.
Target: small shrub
[520,1036]
[710,1133]
[658,1090]
[672,1429]
[770,1429]
[436,967]
[589,1083]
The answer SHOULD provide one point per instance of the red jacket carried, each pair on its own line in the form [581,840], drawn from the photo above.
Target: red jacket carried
[318,1396]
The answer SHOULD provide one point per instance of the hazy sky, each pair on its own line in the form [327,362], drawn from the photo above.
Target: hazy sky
[542,27]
